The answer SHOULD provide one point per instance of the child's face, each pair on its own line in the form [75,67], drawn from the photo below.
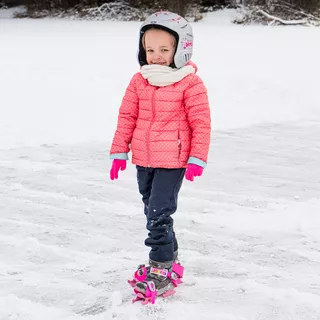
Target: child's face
[159,46]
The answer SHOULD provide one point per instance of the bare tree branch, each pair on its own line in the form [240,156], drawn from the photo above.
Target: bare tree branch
[286,22]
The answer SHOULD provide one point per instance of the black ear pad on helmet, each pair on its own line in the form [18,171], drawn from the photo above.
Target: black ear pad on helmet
[142,53]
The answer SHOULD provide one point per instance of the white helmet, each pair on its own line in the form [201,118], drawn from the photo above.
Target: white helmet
[175,25]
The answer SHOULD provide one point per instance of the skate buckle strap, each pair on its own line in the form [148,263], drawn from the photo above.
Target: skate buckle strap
[159,272]
[176,274]
[141,273]
[151,291]
[178,269]
[165,273]
[149,296]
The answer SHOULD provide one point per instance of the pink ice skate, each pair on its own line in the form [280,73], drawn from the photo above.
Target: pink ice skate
[141,274]
[147,285]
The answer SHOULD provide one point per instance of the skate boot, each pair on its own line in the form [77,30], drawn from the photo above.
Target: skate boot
[143,272]
[158,279]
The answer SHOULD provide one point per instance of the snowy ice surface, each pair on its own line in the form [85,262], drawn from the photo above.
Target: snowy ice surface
[249,228]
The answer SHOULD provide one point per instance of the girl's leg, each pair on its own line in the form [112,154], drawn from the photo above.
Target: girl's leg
[145,178]
[159,189]
[166,184]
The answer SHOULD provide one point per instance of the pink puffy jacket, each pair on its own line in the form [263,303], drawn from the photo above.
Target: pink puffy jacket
[165,127]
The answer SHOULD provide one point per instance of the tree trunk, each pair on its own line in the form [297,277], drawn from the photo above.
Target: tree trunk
[180,8]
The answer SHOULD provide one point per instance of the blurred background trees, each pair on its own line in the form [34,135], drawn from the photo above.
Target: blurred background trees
[138,9]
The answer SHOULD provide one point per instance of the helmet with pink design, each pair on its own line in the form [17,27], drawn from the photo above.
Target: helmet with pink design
[179,27]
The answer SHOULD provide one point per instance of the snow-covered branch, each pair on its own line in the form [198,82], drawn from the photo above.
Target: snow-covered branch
[114,11]
[287,22]
[298,12]
[279,13]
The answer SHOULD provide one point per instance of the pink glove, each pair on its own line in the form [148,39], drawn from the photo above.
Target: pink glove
[193,170]
[116,165]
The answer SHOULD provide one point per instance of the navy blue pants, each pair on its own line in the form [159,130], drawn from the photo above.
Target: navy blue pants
[159,188]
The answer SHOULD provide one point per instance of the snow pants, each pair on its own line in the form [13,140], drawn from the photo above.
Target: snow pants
[159,188]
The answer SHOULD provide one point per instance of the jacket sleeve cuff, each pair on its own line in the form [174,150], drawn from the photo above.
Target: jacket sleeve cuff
[121,156]
[197,161]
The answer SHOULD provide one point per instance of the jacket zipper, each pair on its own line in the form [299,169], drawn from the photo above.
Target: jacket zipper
[150,125]
[179,145]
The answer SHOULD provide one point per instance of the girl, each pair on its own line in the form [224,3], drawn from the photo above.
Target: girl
[164,119]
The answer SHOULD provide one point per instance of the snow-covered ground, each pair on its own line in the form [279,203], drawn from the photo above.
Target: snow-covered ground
[249,228]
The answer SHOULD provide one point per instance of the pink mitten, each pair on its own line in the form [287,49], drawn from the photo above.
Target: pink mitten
[117,164]
[193,170]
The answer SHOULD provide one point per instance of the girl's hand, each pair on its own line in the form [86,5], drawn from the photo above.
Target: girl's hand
[193,170]
[117,164]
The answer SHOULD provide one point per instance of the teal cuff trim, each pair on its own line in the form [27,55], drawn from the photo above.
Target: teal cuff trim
[121,156]
[197,161]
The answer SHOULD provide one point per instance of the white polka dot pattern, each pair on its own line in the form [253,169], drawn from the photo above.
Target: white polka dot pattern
[164,125]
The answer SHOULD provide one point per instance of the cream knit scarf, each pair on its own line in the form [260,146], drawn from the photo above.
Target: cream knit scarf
[162,76]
